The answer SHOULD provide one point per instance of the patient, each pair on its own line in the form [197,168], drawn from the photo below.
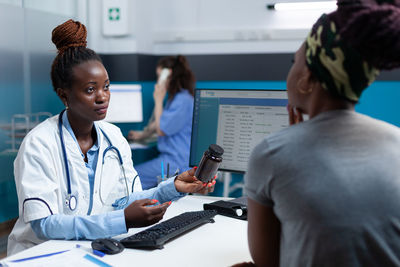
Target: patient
[326,192]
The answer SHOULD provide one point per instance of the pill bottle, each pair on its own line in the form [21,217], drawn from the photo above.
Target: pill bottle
[209,163]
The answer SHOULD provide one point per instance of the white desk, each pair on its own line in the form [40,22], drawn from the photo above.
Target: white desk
[222,243]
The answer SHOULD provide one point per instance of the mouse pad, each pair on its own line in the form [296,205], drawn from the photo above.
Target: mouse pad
[235,208]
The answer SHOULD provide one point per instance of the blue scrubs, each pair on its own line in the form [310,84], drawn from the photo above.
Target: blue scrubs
[174,146]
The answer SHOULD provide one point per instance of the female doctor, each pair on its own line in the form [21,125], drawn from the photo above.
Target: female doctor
[74,174]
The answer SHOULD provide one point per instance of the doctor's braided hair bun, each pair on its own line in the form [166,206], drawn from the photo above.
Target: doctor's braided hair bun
[70,40]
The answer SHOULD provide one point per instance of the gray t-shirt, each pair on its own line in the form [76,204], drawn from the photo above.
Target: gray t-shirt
[334,184]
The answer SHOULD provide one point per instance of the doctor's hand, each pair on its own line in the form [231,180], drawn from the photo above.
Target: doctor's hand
[186,182]
[139,213]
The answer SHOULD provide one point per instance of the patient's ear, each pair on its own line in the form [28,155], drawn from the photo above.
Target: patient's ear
[306,83]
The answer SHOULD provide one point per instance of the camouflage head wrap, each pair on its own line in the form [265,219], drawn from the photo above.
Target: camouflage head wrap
[339,68]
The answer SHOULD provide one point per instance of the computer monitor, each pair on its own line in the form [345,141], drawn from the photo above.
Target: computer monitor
[237,120]
[125,103]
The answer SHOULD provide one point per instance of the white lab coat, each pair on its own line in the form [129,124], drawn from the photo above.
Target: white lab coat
[41,182]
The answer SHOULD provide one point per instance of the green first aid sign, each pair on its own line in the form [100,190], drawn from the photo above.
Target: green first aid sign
[114,14]
[115,17]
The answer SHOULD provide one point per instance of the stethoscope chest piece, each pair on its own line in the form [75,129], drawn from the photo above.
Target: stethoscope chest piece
[71,202]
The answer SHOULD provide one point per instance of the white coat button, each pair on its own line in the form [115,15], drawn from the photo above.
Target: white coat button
[95,191]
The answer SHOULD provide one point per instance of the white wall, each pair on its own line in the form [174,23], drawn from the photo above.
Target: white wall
[202,27]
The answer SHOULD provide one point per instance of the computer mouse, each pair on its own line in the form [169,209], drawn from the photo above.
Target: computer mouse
[107,245]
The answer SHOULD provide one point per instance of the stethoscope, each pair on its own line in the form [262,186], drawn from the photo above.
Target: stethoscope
[71,200]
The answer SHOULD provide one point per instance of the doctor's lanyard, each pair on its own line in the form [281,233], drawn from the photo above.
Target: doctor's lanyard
[71,200]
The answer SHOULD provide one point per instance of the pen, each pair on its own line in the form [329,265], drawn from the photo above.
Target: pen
[40,256]
[98,253]
[95,251]
[167,170]
[162,170]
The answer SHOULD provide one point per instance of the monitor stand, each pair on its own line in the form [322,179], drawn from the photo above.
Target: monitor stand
[228,188]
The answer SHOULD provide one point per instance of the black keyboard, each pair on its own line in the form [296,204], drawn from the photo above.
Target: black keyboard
[157,235]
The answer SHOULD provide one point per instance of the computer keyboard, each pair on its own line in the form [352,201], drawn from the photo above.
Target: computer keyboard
[157,235]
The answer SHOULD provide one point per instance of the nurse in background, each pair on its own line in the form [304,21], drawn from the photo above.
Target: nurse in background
[74,173]
[172,123]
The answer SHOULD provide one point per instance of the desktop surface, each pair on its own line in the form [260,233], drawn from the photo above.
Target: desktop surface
[222,243]
[237,120]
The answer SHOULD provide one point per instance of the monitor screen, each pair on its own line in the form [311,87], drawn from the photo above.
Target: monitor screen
[125,103]
[237,120]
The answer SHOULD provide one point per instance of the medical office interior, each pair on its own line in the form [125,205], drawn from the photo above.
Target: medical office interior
[230,44]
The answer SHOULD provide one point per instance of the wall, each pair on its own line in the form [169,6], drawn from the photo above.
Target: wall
[202,27]
[26,54]
[26,57]
[11,66]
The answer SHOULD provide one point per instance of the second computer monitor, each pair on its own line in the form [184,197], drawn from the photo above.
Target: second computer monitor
[237,120]
[125,103]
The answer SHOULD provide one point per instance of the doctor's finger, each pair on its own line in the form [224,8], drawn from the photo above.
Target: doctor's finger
[199,187]
[203,191]
[186,177]
[159,209]
[146,202]
[211,188]
[192,171]
[165,205]
[208,188]
[196,185]
[155,218]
